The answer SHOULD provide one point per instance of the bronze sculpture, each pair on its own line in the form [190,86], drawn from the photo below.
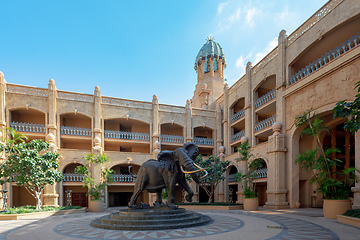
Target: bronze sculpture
[165,172]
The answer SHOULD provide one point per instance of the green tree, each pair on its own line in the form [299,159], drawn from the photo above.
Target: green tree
[216,169]
[246,178]
[94,188]
[350,111]
[30,165]
[333,183]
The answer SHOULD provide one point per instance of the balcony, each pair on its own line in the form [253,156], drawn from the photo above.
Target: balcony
[326,58]
[260,173]
[171,138]
[265,98]
[127,135]
[73,177]
[75,131]
[123,178]
[27,127]
[238,115]
[237,136]
[204,141]
[265,123]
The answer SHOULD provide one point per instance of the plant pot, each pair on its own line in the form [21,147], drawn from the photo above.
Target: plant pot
[96,205]
[332,208]
[251,204]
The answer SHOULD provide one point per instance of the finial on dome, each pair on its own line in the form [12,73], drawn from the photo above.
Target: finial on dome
[210,38]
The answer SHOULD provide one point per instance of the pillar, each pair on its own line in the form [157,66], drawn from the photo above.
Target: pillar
[249,126]
[356,189]
[50,196]
[226,119]
[218,129]
[155,122]
[2,101]
[221,188]
[243,168]
[276,181]
[188,135]
[211,60]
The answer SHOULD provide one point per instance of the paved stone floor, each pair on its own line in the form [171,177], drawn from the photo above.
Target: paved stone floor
[281,224]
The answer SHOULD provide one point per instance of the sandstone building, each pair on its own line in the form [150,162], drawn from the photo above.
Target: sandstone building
[314,67]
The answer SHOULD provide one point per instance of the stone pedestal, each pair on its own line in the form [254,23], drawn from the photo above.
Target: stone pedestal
[276,193]
[240,197]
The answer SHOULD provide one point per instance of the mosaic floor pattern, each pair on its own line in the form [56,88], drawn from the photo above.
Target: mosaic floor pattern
[82,229]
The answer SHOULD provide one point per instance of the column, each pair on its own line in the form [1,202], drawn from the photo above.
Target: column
[98,114]
[2,101]
[211,60]
[220,67]
[226,121]
[243,168]
[50,196]
[276,186]
[218,131]
[356,189]
[222,185]
[155,123]
[188,135]
[249,126]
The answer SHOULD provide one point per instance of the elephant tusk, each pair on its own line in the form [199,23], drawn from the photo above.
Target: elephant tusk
[201,169]
[188,172]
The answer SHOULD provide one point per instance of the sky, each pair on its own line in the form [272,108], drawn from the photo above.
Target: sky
[135,49]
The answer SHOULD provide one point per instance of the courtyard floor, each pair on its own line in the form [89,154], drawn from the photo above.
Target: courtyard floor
[235,224]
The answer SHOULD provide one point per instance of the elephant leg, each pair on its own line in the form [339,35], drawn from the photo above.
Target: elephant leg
[171,193]
[158,196]
[183,183]
[139,187]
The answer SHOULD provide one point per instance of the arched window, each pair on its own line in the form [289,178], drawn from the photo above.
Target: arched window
[215,64]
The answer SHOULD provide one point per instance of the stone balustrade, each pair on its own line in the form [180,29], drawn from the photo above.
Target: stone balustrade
[171,138]
[127,135]
[268,122]
[204,141]
[73,177]
[237,136]
[127,178]
[28,127]
[260,173]
[326,58]
[238,115]
[75,131]
[231,177]
[265,98]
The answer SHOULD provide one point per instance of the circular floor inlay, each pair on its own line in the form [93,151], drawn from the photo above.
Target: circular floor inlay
[82,229]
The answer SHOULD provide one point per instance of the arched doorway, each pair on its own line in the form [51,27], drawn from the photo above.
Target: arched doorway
[233,185]
[260,181]
[73,181]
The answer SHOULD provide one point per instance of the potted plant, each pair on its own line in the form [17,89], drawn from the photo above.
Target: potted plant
[95,188]
[251,202]
[334,184]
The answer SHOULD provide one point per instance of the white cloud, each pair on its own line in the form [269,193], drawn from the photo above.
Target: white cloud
[220,7]
[250,15]
[241,63]
[235,16]
[269,47]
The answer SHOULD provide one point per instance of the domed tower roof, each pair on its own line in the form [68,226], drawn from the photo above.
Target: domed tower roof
[210,49]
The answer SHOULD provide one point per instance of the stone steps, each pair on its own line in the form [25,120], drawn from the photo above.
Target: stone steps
[150,219]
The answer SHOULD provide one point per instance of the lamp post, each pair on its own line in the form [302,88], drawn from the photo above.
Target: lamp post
[68,195]
[4,193]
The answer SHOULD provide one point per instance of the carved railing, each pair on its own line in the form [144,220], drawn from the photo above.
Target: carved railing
[28,127]
[127,178]
[326,58]
[127,135]
[125,103]
[265,123]
[203,141]
[265,98]
[268,58]
[75,131]
[238,115]
[13,88]
[237,136]
[260,173]
[171,138]
[75,96]
[73,177]
[315,18]
[231,177]
[172,109]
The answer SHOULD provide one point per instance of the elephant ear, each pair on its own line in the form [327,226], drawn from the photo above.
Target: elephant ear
[166,159]
[190,147]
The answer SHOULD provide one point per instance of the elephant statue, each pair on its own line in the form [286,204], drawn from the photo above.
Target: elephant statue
[155,175]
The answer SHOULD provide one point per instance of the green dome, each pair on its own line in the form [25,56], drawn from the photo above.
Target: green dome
[210,49]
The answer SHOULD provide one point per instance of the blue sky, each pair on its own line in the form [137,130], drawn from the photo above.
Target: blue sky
[134,49]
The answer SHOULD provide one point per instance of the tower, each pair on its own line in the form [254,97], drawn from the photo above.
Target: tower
[209,65]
